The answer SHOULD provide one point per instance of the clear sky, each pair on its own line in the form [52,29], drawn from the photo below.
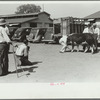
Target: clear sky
[55,8]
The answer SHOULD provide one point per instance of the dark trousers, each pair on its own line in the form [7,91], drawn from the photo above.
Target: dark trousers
[25,61]
[3,58]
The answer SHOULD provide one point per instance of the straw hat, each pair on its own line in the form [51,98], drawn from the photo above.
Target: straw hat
[2,22]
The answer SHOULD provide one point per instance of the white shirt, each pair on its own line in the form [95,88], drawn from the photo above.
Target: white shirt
[3,35]
[21,50]
[63,39]
[97,31]
[87,30]
[7,30]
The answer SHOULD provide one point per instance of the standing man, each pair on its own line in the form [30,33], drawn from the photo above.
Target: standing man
[87,29]
[4,41]
[96,34]
[96,30]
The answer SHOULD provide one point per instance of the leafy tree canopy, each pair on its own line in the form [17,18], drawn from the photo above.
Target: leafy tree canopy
[28,8]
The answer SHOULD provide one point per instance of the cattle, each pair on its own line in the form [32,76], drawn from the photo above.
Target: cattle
[83,38]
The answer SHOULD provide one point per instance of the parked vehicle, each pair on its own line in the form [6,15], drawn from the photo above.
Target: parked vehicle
[12,31]
[56,37]
[37,34]
[20,34]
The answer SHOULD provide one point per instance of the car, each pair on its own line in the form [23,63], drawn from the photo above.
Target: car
[21,33]
[36,35]
[56,37]
[12,31]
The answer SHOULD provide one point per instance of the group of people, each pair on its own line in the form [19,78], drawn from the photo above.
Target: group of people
[90,28]
[21,52]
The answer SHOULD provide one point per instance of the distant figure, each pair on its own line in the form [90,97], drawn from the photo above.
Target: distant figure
[96,34]
[22,52]
[63,42]
[96,30]
[87,29]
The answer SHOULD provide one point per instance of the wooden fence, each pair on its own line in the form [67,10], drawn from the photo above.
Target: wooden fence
[71,25]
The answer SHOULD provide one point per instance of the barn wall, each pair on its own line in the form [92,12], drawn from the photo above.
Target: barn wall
[39,25]
[44,19]
[25,25]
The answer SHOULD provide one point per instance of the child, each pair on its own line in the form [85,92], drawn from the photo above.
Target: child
[63,42]
[22,53]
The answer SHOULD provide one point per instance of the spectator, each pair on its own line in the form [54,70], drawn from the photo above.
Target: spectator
[22,52]
[96,30]
[96,34]
[4,41]
[87,29]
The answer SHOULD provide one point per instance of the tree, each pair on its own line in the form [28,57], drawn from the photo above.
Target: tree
[28,8]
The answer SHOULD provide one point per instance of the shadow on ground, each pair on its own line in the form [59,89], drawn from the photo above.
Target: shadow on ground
[29,69]
[89,51]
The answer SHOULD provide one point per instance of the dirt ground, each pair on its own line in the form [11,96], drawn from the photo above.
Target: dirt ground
[52,66]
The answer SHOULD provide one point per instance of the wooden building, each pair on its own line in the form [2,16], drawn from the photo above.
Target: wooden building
[41,19]
[93,18]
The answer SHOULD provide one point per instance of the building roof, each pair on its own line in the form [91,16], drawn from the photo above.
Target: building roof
[94,15]
[16,15]
[20,20]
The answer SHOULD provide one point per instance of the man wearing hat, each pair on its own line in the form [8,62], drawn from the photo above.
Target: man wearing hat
[4,41]
[87,29]
[96,30]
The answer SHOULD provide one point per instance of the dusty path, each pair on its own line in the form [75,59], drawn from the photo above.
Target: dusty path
[52,66]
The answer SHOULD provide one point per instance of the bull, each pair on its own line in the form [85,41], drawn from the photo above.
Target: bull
[88,39]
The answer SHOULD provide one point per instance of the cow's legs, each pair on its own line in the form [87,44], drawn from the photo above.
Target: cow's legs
[95,42]
[64,46]
[92,49]
[96,47]
[72,47]
[77,47]
[87,48]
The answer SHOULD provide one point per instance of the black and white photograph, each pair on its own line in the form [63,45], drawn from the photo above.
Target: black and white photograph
[50,44]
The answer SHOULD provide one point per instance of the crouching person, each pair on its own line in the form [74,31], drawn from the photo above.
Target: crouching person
[22,52]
